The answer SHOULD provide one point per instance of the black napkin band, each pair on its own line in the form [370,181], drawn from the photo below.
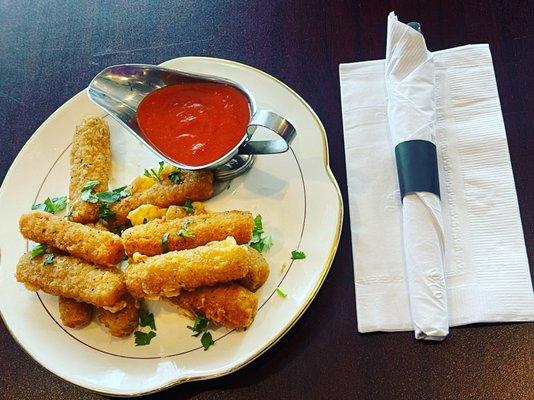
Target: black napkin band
[417,167]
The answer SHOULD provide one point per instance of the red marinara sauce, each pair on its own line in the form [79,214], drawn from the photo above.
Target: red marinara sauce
[194,123]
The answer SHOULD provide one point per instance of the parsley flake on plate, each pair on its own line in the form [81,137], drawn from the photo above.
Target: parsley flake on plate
[153,174]
[52,204]
[259,241]
[297,255]
[147,319]
[175,176]
[188,207]
[281,293]
[38,250]
[142,338]
[49,259]
[206,340]
[199,325]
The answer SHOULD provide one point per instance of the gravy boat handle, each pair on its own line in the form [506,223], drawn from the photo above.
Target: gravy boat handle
[275,123]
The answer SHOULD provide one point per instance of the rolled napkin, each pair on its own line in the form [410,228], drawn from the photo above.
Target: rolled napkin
[411,112]
[485,262]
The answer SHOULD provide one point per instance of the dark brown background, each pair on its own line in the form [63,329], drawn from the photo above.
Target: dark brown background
[50,50]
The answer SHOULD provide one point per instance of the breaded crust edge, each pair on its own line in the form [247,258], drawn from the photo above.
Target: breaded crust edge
[90,159]
[73,278]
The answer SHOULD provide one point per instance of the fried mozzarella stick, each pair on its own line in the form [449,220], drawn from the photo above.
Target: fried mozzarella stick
[74,314]
[179,212]
[90,159]
[123,322]
[70,277]
[91,244]
[258,271]
[194,186]
[158,236]
[148,212]
[229,305]
[167,274]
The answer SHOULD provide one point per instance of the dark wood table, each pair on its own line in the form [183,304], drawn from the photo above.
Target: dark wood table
[49,51]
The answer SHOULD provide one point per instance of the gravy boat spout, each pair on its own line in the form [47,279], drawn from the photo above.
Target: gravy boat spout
[119,90]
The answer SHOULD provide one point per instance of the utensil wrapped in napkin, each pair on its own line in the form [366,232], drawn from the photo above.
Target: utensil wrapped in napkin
[411,112]
[485,261]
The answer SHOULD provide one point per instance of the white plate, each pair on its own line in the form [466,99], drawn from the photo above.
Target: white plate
[295,192]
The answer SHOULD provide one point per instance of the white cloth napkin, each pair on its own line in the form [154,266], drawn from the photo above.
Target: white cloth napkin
[411,113]
[486,267]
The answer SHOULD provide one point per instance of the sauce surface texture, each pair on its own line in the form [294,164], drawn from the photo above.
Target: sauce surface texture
[194,123]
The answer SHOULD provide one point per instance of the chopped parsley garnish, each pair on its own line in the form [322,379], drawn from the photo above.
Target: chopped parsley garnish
[297,255]
[87,191]
[281,293]
[153,174]
[121,228]
[259,241]
[165,242]
[49,259]
[206,340]
[175,176]
[109,197]
[52,204]
[142,338]
[184,232]
[70,210]
[200,325]
[113,195]
[188,207]
[147,319]
[38,250]
[105,213]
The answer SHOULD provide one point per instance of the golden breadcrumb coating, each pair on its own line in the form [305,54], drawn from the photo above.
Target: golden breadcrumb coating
[98,225]
[74,314]
[73,278]
[90,159]
[141,183]
[174,212]
[123,322]
[167,274]
[93,245]
[229,305]
[188,232]
[195,186]
[258,272]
